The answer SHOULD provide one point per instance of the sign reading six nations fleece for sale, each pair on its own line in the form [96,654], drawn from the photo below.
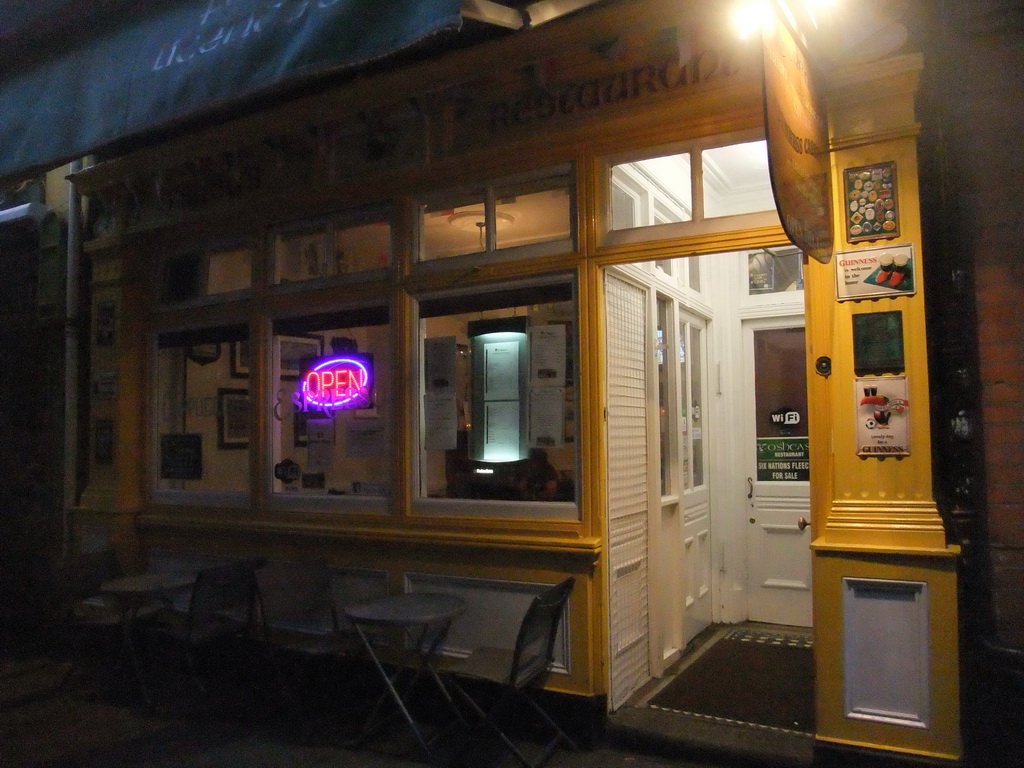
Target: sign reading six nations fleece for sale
[783,458]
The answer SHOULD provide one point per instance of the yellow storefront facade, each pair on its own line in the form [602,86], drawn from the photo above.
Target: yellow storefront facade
[495,232]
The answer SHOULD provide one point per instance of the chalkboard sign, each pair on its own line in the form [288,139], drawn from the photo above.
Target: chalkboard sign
[181,457]
[878,343]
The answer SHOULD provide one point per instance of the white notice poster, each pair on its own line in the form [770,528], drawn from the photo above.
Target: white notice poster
[547,356]
[440,422]
[364,438]
[319,457]
[439,370]
[547,416]
[319,445]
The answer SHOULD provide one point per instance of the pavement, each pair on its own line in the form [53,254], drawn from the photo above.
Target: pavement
[80,710]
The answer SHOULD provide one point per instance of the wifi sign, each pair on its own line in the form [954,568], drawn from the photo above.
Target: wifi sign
[785,417]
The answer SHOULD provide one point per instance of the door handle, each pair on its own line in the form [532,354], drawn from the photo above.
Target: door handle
[802,523]
[750,488]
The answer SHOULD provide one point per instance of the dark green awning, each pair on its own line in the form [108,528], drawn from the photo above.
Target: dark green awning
[76,77]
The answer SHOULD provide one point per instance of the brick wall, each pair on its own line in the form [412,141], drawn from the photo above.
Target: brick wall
[972,115]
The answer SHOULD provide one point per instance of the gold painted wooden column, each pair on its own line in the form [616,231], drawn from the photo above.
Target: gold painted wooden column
[885,595]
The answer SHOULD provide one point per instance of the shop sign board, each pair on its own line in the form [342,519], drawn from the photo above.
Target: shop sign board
[883,425]
[664,51]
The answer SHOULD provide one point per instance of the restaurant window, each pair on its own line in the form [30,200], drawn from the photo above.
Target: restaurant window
[533,212]
[203,412]
[333,385]
[710,185]
[332,249]
[735,179]
[498,397]
[651,191]
[198,274]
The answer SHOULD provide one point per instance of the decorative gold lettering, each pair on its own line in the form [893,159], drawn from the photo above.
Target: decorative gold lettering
[587,95]
[705,66]
[643,79]
[672,75]
[616,88]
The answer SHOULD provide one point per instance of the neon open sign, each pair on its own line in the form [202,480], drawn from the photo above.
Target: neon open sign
[339,383]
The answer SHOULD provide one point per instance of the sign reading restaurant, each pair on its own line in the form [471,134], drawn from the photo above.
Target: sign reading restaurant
[645,80]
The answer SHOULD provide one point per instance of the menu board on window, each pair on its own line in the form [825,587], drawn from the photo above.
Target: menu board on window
[499,357]
[501,430]
[501,370]
[547,416]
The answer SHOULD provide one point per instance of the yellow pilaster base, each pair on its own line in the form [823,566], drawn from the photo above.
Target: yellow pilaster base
[911,660]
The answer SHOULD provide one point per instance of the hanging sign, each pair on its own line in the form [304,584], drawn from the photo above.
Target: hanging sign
[339,383]
[797,133]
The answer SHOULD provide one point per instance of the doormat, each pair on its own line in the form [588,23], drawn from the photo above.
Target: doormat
[752,678]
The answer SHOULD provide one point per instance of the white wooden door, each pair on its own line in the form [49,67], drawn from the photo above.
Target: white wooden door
[628,458]
[680,539]
[693,448]
[778,489]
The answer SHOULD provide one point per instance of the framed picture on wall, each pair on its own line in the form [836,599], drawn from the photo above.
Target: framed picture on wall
[872,208]
[232,418]
[240,359]
[296,353]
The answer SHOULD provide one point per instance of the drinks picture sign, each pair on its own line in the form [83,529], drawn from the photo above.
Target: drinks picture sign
[866,273]
[883,426]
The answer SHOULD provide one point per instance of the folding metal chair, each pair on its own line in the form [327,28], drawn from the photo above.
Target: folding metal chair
[89,607]
[298,628]
[220,607]
[518,670]
[93,619]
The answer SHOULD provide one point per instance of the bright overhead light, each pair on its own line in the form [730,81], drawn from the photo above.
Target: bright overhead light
[815,6]
[751,17]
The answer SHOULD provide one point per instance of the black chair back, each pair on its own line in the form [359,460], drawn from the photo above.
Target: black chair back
[222,597]
[295,596]
[535,644]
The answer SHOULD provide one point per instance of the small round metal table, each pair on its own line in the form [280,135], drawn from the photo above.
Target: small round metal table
[424,619]
[136,591]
